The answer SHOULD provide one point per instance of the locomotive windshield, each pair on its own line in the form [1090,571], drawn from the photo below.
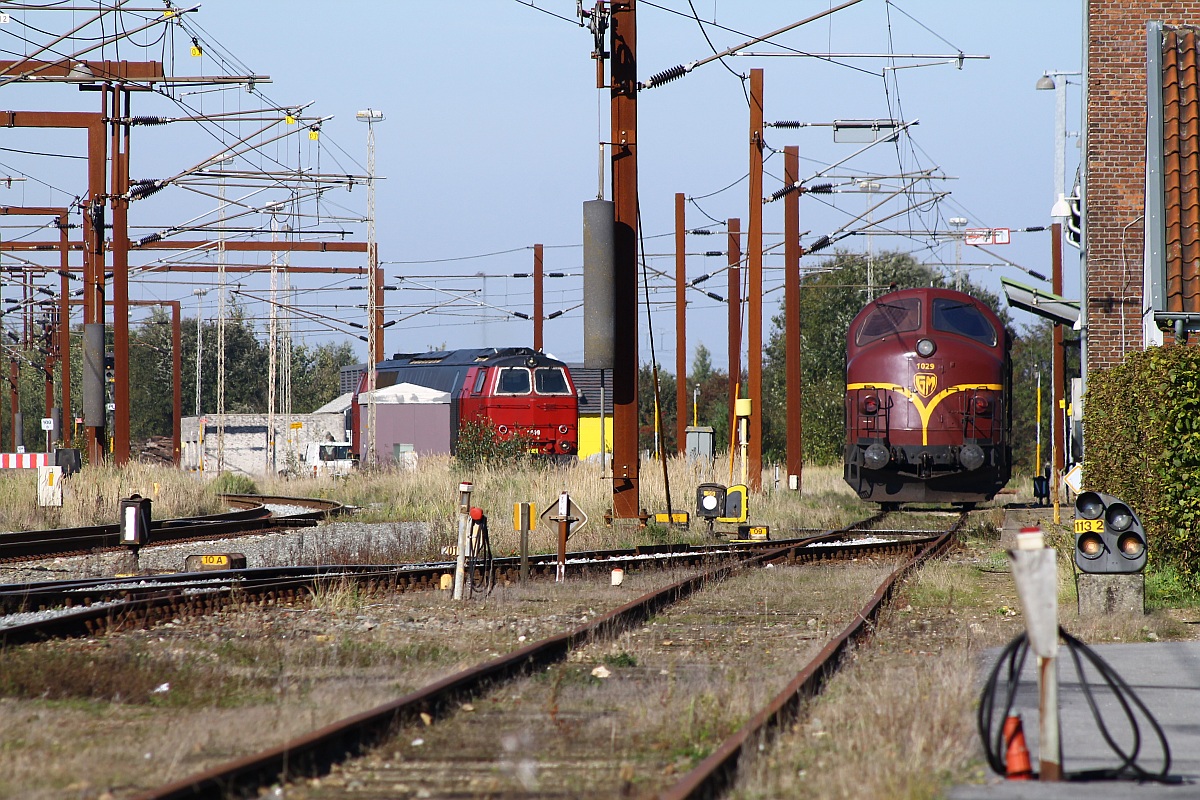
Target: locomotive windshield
[965,319]
[550,380]
[513,380]
[893,316]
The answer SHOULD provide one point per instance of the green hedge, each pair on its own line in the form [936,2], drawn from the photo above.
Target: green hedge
[1142,429]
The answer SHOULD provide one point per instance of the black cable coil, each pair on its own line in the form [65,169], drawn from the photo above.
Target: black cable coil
[479,567]
[1012,659]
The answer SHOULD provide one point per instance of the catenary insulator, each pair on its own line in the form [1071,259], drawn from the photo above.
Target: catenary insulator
[820,244]
[666,76]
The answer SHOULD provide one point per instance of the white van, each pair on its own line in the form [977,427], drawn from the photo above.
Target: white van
[329,458]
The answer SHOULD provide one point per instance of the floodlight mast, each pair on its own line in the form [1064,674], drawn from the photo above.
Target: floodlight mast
[375,347]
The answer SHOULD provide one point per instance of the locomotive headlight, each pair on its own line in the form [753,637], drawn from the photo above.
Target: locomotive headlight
[876,456]
[971,456]
[926,347]
[982,406]
[564,446]
[870,404]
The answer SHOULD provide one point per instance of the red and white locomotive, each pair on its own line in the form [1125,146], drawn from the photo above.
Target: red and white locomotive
[516,390]
[928,382]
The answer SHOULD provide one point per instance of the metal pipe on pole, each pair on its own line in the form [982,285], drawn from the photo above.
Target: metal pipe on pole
[734,249]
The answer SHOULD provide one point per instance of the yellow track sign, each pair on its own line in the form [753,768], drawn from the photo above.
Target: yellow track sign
[529,517]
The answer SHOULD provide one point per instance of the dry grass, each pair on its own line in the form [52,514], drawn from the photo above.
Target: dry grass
[92,497]
[898,720]
[82,719]
[430,495]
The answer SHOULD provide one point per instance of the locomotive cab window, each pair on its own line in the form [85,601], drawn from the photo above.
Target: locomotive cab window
[550,380]
[479,378]
[886,318]
[513,380]
[964,319]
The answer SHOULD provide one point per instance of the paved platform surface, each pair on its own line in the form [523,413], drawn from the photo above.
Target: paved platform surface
[1165,675]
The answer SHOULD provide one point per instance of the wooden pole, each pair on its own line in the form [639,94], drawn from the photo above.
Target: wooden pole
[680,326]
[791,313]
[623,91]
[754,263]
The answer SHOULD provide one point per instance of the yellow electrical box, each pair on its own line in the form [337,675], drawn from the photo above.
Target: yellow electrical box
[677,518]
[742,407]
[736,510]
[754,533]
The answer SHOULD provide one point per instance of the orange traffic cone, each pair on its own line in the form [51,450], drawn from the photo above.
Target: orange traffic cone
[1016,757]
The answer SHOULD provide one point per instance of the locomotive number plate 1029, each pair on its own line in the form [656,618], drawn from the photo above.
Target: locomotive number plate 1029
[1089,526]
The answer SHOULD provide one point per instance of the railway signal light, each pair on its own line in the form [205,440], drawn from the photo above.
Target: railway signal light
[134,525]
[710,501]
[1109,537]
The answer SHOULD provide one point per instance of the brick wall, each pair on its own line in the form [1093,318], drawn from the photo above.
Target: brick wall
[1116,156]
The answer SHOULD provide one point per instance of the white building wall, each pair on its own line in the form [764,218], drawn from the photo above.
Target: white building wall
[246,441]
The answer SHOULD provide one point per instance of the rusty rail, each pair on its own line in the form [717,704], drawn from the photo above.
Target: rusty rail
[712,776]
[252,516]
[314,753]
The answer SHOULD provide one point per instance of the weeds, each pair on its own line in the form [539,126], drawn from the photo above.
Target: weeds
[233,483]
[123,672]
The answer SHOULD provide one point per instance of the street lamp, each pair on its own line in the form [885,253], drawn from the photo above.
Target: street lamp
[371,116]
[1046,83]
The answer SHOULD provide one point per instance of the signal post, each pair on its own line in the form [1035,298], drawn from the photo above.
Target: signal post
[1110,552]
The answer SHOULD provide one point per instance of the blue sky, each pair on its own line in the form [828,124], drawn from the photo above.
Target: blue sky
[492,121]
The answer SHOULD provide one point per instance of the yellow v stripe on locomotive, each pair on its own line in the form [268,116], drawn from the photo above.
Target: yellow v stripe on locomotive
[925,408]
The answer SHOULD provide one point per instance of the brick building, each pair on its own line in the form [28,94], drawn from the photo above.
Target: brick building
[1122,250]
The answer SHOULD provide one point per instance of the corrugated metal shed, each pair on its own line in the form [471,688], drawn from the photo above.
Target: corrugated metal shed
[587,386]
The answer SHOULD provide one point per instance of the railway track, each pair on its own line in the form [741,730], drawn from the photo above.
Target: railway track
[251,514]
[451,703]
[62,609]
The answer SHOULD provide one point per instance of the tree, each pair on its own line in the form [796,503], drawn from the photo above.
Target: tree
[714,395]
[316,373]
[646,423]
[150,371]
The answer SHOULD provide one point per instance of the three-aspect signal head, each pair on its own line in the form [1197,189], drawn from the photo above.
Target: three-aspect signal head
[1109,537]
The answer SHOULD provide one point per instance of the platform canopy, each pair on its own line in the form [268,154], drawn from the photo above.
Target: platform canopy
[1040,302]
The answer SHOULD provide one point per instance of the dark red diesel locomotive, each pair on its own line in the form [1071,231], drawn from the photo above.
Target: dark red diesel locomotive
[928,381]
[517,390]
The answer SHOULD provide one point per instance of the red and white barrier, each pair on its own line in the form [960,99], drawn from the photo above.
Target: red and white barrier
[26,460]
